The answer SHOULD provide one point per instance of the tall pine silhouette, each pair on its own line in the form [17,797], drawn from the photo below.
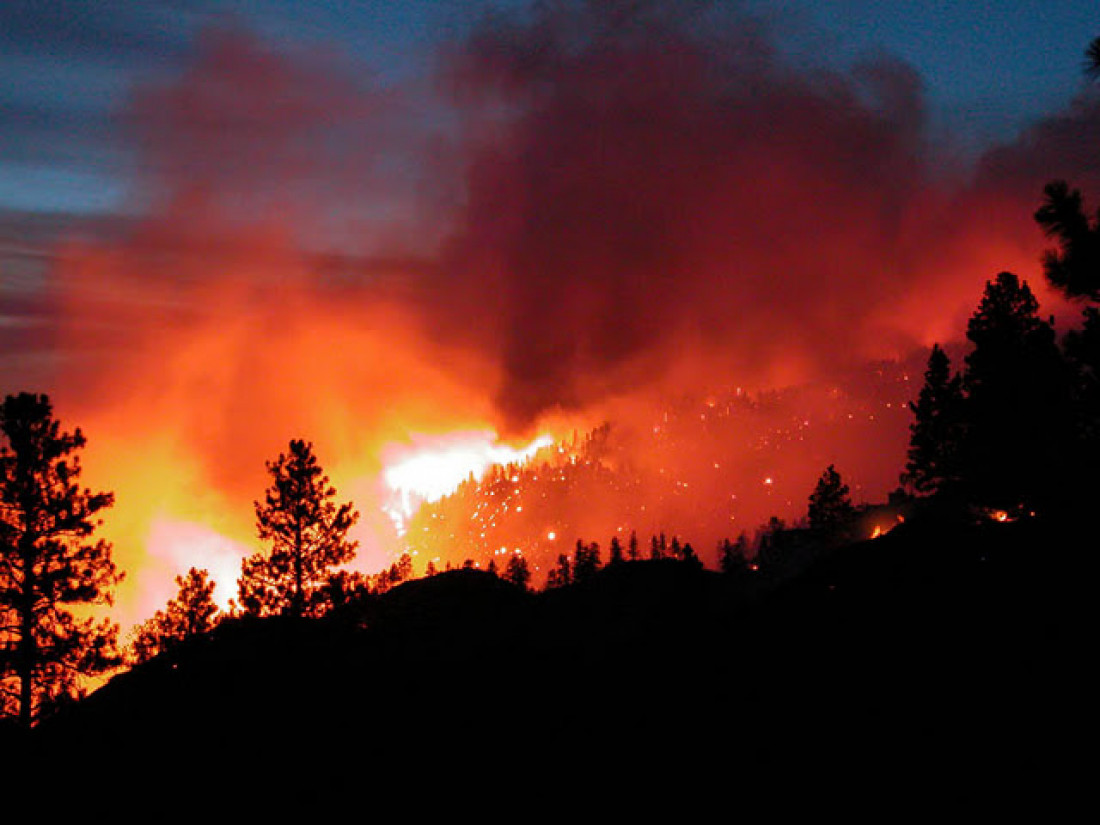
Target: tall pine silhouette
[307,531]
[935,436]
[50,564]
[192,613]
[830,511]
[1018,412]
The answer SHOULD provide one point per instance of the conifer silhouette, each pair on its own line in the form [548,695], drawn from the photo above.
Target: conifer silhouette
[192,613]
[1017,399]
[49,564]
[308,535]
[830,511]
[936,433]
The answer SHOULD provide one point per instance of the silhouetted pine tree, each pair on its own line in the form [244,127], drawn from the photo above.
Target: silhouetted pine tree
[402,569]
[586,562]
[1074,269]
[49,565]
[1082,347]
[1074,266]
[675,549]
[1092,59]
[770,543]
[562,574]
[380,582]
[615,551]
[345,586]
[308,535]
[936,434]
[517,571]
[1018,401]
[191,613]
[658,546]
[830,511]
[733,556]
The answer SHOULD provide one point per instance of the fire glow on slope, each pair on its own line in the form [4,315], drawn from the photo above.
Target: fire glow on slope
[435,465]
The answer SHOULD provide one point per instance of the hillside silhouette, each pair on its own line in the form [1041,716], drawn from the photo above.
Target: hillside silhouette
[929,666]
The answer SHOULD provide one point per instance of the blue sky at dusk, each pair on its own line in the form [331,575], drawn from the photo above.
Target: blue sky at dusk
[68,68]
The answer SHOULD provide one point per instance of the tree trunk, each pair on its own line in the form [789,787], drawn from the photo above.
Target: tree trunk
[26,654]
[298,606]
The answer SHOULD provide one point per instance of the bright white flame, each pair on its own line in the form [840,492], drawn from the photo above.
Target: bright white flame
[436,465]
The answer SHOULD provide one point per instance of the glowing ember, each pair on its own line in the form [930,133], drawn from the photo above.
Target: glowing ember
[882,529]
[438,464]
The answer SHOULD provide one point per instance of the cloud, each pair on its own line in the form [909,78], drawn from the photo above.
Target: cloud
[640,192]
[647,190]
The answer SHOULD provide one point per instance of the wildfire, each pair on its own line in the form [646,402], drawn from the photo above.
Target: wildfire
[1006,516]
[193,345]
[880,530]
[435,465]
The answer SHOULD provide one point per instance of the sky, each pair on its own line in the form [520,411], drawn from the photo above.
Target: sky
[378,225]
[69,67]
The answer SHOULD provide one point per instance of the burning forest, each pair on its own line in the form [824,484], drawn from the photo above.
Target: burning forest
[608,272]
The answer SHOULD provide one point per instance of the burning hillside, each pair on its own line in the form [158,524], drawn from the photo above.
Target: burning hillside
[705,469]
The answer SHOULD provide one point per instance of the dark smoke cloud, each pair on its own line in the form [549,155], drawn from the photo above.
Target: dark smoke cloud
[648,189]
[1061,145]
[640,186]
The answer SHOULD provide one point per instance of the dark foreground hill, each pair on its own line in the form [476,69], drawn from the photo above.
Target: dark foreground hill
[920,669]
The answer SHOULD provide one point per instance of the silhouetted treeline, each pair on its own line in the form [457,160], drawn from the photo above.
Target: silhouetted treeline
[1015,431]
[958,650]
[954,633]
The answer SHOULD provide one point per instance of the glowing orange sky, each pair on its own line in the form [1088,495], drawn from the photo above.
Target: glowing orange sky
[619,222]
